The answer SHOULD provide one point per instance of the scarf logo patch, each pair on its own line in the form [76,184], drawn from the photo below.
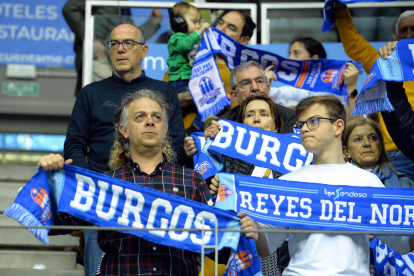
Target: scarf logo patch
[242,260]
[202,167]
[41,197]
[207,88]
[224,192]
[336,77]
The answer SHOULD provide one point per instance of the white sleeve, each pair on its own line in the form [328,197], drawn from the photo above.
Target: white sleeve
[399,244]
[274,240]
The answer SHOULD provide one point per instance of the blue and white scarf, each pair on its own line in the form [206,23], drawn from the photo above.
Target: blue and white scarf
[206,86]
[398,67]
[318,206]
[207,89]
[328,11]
[283,153]
[111,202]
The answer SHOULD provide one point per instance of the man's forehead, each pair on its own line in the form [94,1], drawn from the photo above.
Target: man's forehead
[145,105]
[125,31]
[251,72]
[234,18]
[314,110]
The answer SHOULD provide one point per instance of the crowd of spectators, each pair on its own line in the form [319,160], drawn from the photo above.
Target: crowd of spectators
[150,142]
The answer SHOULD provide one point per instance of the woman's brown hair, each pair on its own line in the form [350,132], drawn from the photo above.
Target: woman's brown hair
[277,118]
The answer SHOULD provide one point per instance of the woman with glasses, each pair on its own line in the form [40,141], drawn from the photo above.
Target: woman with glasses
[365,148]
[261,112]
[304,48]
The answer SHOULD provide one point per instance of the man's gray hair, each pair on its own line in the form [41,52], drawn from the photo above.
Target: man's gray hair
[241,67]
[403,15]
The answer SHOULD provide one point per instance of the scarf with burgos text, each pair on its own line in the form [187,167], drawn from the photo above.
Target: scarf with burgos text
[111,202]
[283,153]
[328,11]
[207,89]
[398,67]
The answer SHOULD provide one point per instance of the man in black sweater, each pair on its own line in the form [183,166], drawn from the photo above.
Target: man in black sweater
[91,130]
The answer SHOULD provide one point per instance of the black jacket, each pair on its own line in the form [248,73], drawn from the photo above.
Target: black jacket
[237,166]
[400,122]
[91,130]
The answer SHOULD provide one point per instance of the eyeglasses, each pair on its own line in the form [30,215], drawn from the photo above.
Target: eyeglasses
[312,123]
[246,84]
[126,44]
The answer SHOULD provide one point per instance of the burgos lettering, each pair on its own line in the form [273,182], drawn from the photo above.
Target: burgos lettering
[260,146]
[125,207]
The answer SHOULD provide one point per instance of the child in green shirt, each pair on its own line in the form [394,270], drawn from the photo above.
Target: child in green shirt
[182,46]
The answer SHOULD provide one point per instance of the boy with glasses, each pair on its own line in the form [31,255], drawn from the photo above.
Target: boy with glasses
[321,125]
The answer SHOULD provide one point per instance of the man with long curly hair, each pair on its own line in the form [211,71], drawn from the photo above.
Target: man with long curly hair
[142,154]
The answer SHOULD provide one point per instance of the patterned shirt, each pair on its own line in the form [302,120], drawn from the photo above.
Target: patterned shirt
[126,254]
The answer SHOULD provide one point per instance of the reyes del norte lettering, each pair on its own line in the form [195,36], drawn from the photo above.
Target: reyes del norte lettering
[318,206]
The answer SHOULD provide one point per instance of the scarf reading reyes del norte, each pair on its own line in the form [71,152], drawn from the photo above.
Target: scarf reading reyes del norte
[325,207]
[279,152]
[107,201]
[207,89]
[398,67]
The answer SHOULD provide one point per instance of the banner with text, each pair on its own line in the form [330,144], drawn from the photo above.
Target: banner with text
[318,206]
[35,32]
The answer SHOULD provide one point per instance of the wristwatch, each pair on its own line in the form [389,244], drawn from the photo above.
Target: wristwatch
[353,94]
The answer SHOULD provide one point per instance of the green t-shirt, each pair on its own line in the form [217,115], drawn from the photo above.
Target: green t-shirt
[178,47]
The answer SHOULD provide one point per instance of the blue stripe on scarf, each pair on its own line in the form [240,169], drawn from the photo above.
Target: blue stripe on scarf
[207,89]
[279,152]
[398,67]
[315,205]
[328,11]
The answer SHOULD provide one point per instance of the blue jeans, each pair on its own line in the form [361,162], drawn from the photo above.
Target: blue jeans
[402,163]
[93,252]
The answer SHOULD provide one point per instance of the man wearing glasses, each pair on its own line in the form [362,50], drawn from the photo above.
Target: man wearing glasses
[321,126]
[247,79]
[90,133]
